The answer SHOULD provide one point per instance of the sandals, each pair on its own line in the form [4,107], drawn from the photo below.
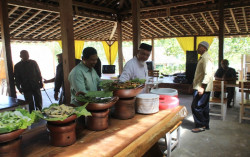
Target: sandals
[196,130]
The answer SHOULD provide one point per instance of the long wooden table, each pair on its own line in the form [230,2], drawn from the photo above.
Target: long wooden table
[132,137]
[9,103]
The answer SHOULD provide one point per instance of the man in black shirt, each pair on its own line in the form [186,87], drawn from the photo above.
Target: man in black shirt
[225,73]
[28,80]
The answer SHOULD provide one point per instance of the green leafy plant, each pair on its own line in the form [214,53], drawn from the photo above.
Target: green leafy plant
[14,120]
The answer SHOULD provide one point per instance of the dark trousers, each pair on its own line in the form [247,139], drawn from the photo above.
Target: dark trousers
[230,94]
[34,97]
[62,98]
[200,109]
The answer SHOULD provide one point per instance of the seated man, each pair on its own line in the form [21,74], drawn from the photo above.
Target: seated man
[225,73]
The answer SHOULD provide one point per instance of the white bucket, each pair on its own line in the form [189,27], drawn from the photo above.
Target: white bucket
[147,103]
[165,91]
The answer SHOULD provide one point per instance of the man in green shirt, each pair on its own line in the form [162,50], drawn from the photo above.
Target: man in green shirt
[83,77]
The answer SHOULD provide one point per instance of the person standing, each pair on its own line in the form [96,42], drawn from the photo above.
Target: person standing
[225,73]
[59,80]
[83,77]
[137,67]
[202,85]
[28,80]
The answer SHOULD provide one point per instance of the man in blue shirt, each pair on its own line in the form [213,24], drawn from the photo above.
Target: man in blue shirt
[83,77]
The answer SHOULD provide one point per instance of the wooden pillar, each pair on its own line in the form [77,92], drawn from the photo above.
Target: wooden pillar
[195,43]
[66,17]
[221,31]
[6,48]
[153,50]
[136,25]
[120,54]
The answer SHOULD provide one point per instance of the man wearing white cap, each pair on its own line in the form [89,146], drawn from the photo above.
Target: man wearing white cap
[202,85]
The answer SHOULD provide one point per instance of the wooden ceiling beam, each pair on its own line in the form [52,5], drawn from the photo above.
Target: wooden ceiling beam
[198,24]
[97,30]
[142,31]
[50,33]
[207,23]
[245,19]
[165,26]
[226,26]
[93,7]
[31,17]
[178,23]
[235,22]
[82,29]
[91,29]
[113,31]
[212,17]
[172,26]
[12,10]
[150,29]
[81,26]
[189,24]
[54,9]
[33,24]
[157,27]
[171,5]
[19,17]
[41,26]
[47,29]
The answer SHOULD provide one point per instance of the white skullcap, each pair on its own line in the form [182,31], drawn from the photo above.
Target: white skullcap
[205,44]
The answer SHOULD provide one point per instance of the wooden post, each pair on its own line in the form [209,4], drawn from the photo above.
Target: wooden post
[221,31]
[195,43]
[120,54]
[136,25]
[66,17]
[153,50]
[6,48]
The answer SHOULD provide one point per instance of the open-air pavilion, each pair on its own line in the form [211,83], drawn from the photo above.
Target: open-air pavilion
[74,21]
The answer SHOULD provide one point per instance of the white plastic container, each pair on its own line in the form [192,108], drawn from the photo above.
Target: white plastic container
[147,103]
[165,91]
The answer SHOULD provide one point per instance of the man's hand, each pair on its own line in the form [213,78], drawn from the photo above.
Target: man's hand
[201,91]
[56,95]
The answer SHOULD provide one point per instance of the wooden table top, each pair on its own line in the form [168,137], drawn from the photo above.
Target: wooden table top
[7,102]
[132,137]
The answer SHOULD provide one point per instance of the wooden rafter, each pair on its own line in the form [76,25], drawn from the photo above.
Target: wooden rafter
[90,30]
[96,24]
[245,19]
[207,23]
[58,28]
[165,26]
[198,24]
[172,26]
[81,26]
[178,23]
[19,17]
[41,26]
[235,22]
[142,31]
[13,10]
[113,31]
[97,30]
[212,17]
[47,29]
[32,25]
[177,4]
[150,29]
[226,26]
[158,27]
[93,7]
[19,26]
[189,24]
